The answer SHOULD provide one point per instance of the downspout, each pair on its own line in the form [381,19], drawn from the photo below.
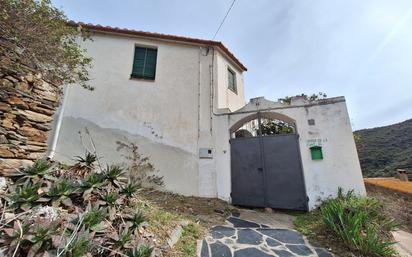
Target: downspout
[212,93]
[198,97]
[58,123]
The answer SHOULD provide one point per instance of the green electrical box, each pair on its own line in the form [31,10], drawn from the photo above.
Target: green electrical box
[316,153]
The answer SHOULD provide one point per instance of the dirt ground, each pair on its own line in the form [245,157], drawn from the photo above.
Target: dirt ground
[397,205]
[208,212]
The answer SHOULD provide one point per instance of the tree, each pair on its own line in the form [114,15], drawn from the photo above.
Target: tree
[273,127]
[37,35]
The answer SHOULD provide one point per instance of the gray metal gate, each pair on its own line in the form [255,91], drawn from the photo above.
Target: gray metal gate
[267,172]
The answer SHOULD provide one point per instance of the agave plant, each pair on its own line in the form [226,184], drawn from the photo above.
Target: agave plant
[94,219]
[25,196]
[110,198]
[116,175]
[131,188]
[84,165]
[40,169]
[60,192]
[79,247]
[123,240]
[41,238]
[141,251]
[13,237]
[137,219]
[92,182]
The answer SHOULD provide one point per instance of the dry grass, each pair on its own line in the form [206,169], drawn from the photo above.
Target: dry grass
[391,183]
[395,204]
[165,210]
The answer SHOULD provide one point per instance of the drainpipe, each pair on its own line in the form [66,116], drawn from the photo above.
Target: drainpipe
[58,123]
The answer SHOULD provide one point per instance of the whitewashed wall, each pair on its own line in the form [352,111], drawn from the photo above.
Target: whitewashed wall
[332,130]
[169,118]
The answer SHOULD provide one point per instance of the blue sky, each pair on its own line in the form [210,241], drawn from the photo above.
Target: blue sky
[361,49]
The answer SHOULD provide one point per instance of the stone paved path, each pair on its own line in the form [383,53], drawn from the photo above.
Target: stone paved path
[243,238]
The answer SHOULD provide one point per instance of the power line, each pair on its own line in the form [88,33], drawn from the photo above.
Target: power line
[223,21]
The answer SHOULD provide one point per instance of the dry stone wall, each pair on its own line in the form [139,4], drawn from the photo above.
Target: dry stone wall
[27,106]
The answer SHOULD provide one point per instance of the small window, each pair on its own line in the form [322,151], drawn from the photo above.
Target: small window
[144,63]
[316,153]
[231,75]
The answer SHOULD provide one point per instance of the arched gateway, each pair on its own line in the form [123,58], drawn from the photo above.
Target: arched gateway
[266,167]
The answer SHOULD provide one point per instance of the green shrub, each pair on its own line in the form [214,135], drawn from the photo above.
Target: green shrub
[359,223]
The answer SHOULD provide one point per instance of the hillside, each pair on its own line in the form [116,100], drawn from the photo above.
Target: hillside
[382,150]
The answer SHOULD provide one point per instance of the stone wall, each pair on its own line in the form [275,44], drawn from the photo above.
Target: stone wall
[27,106]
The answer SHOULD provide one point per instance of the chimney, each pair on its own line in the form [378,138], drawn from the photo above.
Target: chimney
[402,175]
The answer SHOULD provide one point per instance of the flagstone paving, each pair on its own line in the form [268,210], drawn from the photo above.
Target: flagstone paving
[243,238]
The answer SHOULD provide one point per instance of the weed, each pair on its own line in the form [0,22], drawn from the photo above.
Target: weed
[187,244]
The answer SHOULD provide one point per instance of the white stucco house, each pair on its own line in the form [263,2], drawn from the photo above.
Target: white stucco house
[181,100]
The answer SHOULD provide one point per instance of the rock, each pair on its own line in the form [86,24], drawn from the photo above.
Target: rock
[3,139]
[300,250]
[6,83]
[283,235]
[33,116]
[251,252]
[35,156]
[12,79]
[221,231]
[47,213]
[18,102]
[219,249]
[33,134]
[3,184]
[249,236]
[5,107]
[29,78]
[4,153]
[8,124]
[23,86]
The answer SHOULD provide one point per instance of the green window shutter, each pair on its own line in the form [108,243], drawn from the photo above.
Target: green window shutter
[316,153]
[144,63]
[231,75]
[138,62]
[150,67]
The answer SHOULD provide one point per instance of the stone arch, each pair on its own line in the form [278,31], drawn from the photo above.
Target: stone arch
[267,115]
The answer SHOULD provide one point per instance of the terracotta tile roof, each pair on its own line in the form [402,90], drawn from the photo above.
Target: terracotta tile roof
[144,34]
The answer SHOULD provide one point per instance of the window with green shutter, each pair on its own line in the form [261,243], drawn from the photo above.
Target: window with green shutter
[231,75]
[316,153]
[144,63]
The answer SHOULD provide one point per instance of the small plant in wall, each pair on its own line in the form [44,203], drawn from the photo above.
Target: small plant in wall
[310,98]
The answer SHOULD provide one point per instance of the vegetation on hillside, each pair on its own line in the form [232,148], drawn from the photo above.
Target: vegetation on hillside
[35,34]
[382,150]
[350,225]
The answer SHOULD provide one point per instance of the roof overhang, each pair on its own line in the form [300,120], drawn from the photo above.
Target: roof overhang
[165,37]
